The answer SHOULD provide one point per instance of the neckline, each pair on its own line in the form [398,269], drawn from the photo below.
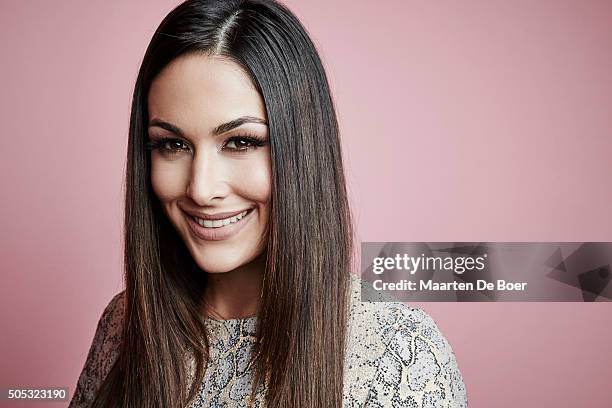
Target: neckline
[242,319]
[355,281]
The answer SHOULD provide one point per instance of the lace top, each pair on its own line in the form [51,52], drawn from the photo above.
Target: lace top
[396,357]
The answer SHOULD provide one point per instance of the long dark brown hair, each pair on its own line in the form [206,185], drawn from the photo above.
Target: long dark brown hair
[303,312]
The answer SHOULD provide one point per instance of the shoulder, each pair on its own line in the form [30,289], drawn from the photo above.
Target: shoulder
[110,325]
[397,356]
[102,353]
[112,316]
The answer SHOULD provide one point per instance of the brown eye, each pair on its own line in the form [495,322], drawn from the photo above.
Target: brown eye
[173,144]
[238,144]
[243,143]
[167,145]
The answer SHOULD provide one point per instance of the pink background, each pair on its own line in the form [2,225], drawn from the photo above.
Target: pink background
[461,121]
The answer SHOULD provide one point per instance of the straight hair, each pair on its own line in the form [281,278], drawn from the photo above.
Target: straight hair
[303,312]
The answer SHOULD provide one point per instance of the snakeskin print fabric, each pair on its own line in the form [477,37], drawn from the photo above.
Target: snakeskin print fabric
[396,357]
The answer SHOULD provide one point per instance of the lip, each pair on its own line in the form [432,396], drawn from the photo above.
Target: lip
[218,233]
[217,216]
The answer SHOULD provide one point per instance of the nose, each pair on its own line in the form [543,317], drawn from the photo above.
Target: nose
[207,181]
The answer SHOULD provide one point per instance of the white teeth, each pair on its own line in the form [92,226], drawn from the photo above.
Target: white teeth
[220,223]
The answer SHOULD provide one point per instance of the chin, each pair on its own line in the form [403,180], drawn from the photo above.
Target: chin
[220,260]
[212,264]
[217,268]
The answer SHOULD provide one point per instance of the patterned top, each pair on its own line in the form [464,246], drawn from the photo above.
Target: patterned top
[396,357]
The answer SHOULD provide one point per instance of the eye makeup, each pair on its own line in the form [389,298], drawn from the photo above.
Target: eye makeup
[239,143]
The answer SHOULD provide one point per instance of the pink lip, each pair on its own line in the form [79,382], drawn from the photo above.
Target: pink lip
[217,216]
[218,233]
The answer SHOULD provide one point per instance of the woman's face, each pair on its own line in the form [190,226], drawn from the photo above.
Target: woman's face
[210,159]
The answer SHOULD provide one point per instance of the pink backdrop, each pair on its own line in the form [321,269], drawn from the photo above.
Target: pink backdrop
[461,121]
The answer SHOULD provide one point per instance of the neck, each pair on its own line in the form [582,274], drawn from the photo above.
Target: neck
[235,294]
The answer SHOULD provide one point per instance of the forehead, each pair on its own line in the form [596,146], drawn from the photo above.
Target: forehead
[198,92]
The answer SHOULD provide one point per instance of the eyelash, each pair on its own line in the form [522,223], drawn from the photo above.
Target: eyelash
[160,144]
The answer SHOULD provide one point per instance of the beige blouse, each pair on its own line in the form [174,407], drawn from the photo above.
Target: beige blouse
[396,357]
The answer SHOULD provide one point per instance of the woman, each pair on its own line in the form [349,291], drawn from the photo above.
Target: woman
[238,237]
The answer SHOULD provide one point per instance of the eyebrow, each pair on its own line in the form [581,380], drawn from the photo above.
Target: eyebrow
[222,128]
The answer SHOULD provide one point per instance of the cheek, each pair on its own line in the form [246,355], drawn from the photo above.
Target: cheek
[168,179]
[254,181]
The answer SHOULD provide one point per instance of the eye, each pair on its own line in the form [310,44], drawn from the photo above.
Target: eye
[243,143]
[167,145]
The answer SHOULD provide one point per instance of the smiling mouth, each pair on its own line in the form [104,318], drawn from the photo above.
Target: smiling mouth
[212,224]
